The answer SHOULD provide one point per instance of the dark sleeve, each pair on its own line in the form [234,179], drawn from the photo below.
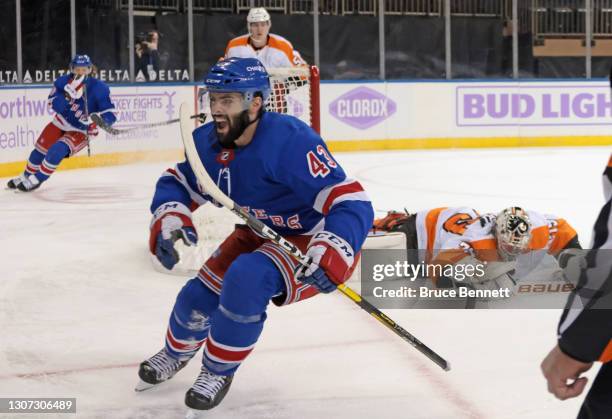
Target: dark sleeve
[155,59]
[585,328]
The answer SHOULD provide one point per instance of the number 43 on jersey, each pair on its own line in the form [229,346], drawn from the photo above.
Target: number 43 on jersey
[319,163]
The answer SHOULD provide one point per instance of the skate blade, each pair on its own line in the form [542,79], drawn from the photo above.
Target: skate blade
[195,414]
[142,386]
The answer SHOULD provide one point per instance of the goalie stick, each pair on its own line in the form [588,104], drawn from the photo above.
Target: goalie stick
[213,190]
[115,131]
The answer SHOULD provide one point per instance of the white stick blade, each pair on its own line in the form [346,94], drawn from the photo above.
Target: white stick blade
[204,179]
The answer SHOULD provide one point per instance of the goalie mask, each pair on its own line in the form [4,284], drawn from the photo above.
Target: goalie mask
[513,232]
[242,80]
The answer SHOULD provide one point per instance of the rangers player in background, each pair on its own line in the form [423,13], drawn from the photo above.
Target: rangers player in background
[585,328]
[71,128]
[448,235]
[281,171]
[271,50]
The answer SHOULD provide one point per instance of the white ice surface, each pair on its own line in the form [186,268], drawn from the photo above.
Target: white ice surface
[80,305]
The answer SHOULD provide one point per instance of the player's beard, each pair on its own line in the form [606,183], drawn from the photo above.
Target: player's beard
[236,125]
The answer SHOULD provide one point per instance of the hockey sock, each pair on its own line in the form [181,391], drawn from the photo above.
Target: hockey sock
[231,339]
[189,322]
[54,156]
[248,285]
[33,166]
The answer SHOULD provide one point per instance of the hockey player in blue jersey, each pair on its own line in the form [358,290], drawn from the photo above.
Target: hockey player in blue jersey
[281,171]
[71,128]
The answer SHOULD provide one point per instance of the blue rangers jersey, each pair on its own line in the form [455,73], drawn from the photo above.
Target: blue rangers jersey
[285,177]
[70,113]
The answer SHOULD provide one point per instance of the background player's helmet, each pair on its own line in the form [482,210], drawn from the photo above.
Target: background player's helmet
[81,60]
[258,14]
[513,232]
[243,75]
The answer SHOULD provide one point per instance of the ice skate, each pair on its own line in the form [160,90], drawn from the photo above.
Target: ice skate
[15,182]
[207,392]
[157,369]
[28,184]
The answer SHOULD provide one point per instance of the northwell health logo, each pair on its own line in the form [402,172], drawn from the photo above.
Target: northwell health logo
[362,108]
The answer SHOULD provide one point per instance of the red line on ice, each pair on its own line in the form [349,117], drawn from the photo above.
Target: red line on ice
[448,391]
[66,372]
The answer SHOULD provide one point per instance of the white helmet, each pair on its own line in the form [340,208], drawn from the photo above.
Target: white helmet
[258,14]
[513,232]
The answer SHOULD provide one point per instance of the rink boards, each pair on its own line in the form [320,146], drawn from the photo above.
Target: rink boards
[354,116]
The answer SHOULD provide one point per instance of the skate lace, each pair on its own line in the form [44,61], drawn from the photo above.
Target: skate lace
[162,363]
[208,384]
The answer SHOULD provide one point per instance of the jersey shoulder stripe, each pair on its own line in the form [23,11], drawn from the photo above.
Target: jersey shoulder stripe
[239,41]
[281,44]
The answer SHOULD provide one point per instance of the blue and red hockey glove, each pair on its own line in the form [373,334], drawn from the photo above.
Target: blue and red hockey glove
[332,262]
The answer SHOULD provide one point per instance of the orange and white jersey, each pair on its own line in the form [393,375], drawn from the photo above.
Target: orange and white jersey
[278,52]
[549,232]
[449,233]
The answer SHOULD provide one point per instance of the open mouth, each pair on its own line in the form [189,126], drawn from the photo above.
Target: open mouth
[221,123]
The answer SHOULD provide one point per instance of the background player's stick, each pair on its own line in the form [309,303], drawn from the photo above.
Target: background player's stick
[86,115]
[213,190]
[115,131]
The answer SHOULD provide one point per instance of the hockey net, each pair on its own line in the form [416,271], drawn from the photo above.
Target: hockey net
[295,91]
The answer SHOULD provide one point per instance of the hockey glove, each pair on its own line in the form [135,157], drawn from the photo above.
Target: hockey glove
[487,222]
[92,129]
[172,229]
[393,221]
[332,261]
[74,89]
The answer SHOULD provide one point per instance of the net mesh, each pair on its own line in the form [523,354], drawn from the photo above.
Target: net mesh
[291,93]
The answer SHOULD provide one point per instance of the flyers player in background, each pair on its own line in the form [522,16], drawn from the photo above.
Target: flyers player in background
[270,49]
[74,97]
[585,329]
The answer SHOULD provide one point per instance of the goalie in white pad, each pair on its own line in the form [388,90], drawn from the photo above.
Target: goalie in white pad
[449,235]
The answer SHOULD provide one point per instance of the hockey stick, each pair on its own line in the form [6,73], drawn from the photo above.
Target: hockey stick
[86,115]
[213,190]
[115,131]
